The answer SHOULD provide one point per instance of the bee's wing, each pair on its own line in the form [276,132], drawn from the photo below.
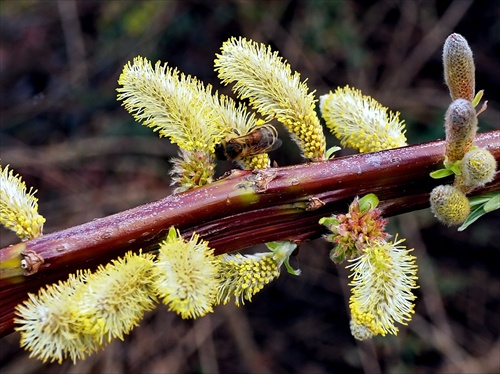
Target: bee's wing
[259,149]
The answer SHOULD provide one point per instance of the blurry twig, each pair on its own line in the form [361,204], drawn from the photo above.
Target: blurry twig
[432,42]
[242,333]
[459,360]
[82,148]
[75,45]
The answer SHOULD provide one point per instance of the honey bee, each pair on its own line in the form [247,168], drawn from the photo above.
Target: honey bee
[261,139]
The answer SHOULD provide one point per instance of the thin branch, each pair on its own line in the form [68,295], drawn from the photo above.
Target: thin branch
[241,210]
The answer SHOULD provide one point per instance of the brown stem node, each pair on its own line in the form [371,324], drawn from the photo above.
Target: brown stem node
[31,262]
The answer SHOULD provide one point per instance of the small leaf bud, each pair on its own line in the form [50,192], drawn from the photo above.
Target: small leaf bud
[458,64]
[449,205]
[461,127]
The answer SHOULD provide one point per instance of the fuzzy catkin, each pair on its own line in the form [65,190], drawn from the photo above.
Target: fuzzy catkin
[477,168]
[459,69]
[449,205]
[461,127]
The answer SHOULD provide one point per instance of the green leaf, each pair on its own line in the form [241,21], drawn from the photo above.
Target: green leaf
[441,173]
[449,169]
[455,168]
[493,203]
[481,205]
[472,217]
[480,200]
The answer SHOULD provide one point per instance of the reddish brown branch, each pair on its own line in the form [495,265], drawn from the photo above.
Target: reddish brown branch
[244,209]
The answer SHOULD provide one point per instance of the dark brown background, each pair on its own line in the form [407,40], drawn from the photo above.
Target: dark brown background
[63,130]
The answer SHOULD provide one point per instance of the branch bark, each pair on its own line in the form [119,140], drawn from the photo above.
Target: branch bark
[241,210]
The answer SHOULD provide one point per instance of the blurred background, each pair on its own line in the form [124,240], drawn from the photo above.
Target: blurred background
[63,130]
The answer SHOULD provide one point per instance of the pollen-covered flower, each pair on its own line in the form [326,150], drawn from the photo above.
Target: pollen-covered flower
[459,69]
[260,161]
[192,169]
[353,231]
[115,297]
[177,106]
[264,78]
[360,122]
[449,205]
[382,281]
[18,207]
[242,276]
[48,327]
[187,280]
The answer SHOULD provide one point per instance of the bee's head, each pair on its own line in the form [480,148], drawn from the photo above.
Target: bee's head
[233,150]
[219,152]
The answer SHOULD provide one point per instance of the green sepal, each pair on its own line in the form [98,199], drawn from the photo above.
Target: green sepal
[330,151]
[172,235]
[328,221]
[273,246]
[337,258]
[282,251]
[368,202]
[290,269]
[477,98]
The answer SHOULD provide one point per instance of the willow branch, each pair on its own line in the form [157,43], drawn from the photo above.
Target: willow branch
[244,209]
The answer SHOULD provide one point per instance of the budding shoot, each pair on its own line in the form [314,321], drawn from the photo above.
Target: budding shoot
[477,168]
[461,127]
[458,64]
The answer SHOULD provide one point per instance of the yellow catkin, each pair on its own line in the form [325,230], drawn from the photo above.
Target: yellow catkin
[242,276]
[360,122]
[176,105]
[449,205]
[19,206]
[382,282]
[187,271]
[267,81]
